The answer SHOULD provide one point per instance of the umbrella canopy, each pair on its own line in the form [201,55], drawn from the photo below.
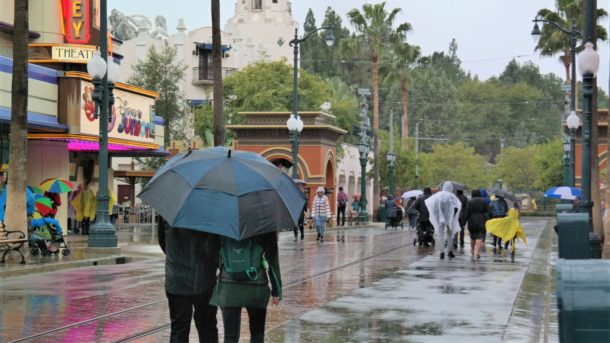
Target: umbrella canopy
[412,193]
[456,185]
[36,190]
[504,194]
[568,193]
[57,185]
[29,202]
[43,205]
[232,193]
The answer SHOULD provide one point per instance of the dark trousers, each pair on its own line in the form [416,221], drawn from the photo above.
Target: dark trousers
[297,229]
[341,215]
[85,224]
[181,314]
[231,317]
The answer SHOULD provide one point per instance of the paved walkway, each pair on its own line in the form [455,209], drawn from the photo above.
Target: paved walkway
[361,285]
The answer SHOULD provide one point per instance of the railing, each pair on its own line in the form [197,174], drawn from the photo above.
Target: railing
[207,77]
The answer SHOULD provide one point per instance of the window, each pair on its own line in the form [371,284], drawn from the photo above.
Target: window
[257,4]
[275,1]
[205,65]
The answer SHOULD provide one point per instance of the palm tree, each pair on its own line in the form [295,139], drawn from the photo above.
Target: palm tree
[16,218]
[219,124]
[553,41]
[374,31]
[398,65]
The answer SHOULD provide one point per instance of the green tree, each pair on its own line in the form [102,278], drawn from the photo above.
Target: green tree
[219,119]
[404,166]
[344,103]
[310,48]
[162,72]
[549,165]
[456,162]
[374,31]
[517,168]
[267,86]
[17,173]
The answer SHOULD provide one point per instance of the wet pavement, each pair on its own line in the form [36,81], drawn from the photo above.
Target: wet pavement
[362,284]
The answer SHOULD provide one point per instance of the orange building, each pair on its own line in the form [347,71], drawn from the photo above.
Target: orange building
[266,134]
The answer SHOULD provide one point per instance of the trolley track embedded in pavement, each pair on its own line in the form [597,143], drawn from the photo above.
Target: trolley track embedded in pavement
[165,326]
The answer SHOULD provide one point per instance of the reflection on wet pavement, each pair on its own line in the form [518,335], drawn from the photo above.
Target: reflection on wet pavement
[360,285]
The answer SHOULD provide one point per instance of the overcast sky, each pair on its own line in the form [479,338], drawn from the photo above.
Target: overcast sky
[489,33]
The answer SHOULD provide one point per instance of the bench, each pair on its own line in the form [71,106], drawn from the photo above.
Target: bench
[11,241]
[353,218]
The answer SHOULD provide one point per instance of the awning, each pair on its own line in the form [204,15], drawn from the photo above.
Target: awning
[35,121]
[79,142]
[208,46]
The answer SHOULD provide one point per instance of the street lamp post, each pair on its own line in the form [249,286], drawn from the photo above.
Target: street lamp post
[104,75]
[574,34]
[573,122]
[391,157]
[295,132]
[588,63]
[295,126]
[566,162]
[363,150]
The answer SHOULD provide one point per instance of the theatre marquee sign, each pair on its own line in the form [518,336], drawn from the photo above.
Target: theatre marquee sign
[72,53]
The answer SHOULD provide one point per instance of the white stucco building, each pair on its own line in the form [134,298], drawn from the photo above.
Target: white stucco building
[348,175]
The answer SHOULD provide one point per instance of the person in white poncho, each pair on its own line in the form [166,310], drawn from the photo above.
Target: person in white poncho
[444,208]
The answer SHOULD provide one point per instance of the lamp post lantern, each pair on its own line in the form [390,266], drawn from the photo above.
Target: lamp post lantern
[295,132]
[295,126]
[104,75]
[574,34]
[588,63]
[573,122]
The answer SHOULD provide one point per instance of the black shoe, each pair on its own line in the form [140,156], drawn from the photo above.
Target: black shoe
[442,256]
[318,238]
[302,237]
[451,255]
[321,238]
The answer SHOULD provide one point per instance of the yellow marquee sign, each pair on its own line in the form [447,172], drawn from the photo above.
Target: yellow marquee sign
[72,53]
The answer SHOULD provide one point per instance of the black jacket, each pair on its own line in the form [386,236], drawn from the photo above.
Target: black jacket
[188,268]
[477,212]
[420,206]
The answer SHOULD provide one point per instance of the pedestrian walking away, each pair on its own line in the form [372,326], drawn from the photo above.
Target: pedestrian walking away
[190,276]
[499,208]
[341,206]
[507,228]
[301,223]
[463,200]
[246,269]
[475,215]
[425,230]
[411,213]
[444,208]
[320,211]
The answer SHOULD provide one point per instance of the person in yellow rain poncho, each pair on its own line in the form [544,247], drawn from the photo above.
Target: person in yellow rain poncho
[507,228]
[85,206]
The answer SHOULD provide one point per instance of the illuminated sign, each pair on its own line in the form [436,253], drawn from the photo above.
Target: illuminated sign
[131,115]
[77,20]
[72,53]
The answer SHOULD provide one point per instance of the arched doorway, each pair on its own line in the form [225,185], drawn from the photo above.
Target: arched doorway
[330,184]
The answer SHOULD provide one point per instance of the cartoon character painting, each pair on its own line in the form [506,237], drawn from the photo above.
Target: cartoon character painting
[88,103]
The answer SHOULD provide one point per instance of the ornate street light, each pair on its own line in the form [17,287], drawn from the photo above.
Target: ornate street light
[104,75]
[573,122]
[566,161]
[574,34]
[295,133]
[363,150]
[588,63]
[295,126]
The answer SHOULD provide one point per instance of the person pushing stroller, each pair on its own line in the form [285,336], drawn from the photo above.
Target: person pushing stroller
[425,230]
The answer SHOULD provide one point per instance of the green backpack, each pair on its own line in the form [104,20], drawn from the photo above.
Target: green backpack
[243,260]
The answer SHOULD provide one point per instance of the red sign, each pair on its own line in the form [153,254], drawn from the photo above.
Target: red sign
[77,20]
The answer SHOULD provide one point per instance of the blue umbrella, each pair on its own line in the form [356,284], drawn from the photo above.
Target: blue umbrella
[232,193]
[30,198]
[563,192]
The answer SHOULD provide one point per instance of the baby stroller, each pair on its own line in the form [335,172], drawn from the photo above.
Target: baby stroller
[46,238]
[425,235]
[396,220]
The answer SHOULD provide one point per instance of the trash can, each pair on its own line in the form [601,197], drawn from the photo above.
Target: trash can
[582,300]
[595,244]
[573,233]
[563,208]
